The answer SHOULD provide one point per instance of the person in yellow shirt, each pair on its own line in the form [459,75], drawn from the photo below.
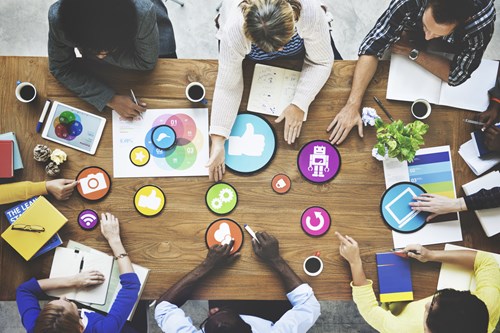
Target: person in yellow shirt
[448,310]
[61,189]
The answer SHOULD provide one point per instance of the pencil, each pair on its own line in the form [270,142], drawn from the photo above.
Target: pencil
[250,231]
[474,122]
[383,108]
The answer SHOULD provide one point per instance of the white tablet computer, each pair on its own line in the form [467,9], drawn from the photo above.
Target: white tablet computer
[74,128]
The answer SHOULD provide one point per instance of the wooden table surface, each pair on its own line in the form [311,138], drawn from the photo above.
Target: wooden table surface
[172,243]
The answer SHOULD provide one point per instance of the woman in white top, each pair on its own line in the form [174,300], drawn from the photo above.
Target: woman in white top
[265,30]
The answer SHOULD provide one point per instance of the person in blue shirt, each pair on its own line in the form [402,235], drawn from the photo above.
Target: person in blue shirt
[299,319]
[62,315]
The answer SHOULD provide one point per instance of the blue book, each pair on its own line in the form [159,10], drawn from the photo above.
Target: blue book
[478,140]
[394,277]
[13,214]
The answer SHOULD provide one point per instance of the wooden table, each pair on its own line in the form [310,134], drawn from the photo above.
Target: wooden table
[172,243]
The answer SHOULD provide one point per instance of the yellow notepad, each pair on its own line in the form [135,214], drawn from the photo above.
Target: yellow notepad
[40,214]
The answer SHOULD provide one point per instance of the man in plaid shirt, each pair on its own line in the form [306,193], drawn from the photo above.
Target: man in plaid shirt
[462,28]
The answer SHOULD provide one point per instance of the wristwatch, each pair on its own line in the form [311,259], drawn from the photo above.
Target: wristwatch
[413,54]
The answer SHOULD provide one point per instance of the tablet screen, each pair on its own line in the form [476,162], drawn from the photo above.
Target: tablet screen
[74,128]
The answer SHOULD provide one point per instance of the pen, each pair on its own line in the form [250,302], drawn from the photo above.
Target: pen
[81,266]
[383,108]
[250,231]
[473,122]
[42,116]
[133,97]
[404,254]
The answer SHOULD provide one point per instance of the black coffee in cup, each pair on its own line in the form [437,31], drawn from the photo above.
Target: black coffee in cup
[195,92]
[313,265]
[27,92]
[420,109]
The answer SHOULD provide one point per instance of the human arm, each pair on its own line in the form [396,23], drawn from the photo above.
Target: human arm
[61,189]
[492,113]
[483,199]
[267,248]
[464,258]
[437,204]
[216,166]
[110,229]
[180,292]
[318,63]
[350,251]
[349,116]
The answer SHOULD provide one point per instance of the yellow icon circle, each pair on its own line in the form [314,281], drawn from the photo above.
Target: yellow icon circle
[149,200]
[139,156]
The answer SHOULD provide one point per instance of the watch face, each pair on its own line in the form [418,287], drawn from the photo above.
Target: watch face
[413,54]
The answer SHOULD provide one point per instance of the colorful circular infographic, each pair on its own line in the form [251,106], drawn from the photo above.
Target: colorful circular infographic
[68,125]
[139,156]
[93,183]
[251,145]
[221,198]
[281,183]
[149,200]
[88,219]
[163,137]
[315,221]
[318,161]
[396,211]
[221,231]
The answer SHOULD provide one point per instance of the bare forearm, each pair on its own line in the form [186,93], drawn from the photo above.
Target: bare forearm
[435,64]
[124,263]
[358,274]
[463,258]
[363,74]
[180,292]
[57,283]
[287,275]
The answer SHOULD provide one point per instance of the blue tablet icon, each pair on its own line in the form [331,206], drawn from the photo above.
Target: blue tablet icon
[163,137]
[251,145]
[396,211]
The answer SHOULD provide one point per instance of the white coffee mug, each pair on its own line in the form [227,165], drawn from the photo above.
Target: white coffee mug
[419,114]
[25,92]
[195,92]
[311,268]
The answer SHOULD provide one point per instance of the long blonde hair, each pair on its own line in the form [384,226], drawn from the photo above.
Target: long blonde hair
[56,319]
[270,24]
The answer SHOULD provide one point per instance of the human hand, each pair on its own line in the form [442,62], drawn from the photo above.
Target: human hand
[110,228]
[492,138]
[437,204]
[61,189]
[126,107]
[418,252]
[216,166]
[220,255]
[87,279]
[294,117]
[343,122]
[490,116]
[267,247]
[349,249]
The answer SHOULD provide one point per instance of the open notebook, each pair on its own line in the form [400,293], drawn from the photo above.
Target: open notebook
[409,81]
[114,281]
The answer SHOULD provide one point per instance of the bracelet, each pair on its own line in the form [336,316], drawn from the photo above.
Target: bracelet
[494,99]
[122,255]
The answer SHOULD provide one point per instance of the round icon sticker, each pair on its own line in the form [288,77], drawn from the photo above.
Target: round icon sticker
[318,161]
[281,183]
[315,221]
[221,198]
[251,145]
[149,200]
[396,211]
[221,231]
[163,137]
[93,183]
[139,156]
[88,219]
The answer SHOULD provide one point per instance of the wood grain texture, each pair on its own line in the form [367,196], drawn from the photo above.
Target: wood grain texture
[172,243]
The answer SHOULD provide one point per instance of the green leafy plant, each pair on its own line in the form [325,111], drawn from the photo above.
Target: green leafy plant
[399,140]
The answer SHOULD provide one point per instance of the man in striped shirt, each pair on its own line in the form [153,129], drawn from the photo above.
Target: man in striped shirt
[462,28]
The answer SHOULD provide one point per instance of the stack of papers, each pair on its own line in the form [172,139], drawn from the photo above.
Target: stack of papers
[478,165]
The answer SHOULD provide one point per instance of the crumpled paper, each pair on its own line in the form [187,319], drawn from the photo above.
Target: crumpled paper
[368,116]
[58,156]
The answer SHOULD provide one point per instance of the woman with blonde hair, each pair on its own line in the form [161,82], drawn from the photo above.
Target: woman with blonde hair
[62,315]
[262,30]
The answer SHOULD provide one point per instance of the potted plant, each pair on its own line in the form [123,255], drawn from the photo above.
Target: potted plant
[399,140]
